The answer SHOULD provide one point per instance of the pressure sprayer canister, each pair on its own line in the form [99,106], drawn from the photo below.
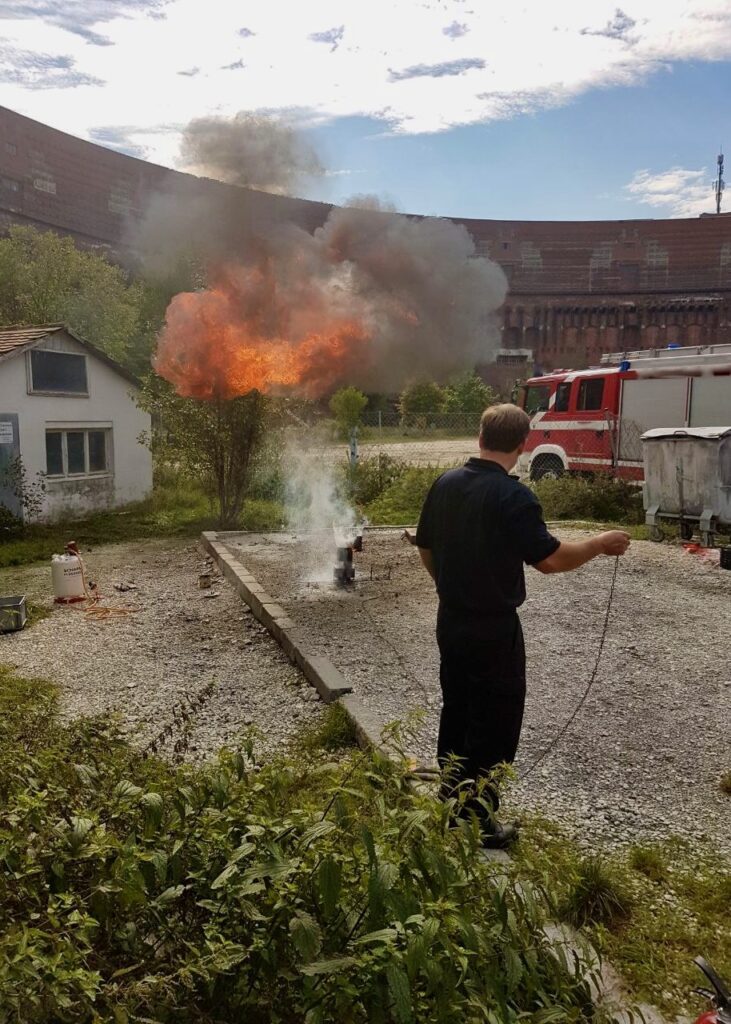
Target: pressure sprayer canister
[67,575]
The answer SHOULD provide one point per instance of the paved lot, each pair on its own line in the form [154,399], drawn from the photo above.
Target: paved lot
[645,755]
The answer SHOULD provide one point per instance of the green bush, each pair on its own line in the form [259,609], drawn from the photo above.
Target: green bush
[601,497]
[371,477]
[421,402]
[401,503]
[303,893]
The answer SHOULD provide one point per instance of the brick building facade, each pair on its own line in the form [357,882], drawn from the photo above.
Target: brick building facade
[576,288]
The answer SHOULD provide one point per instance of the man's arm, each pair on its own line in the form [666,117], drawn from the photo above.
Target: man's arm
[427,561]
[571,554]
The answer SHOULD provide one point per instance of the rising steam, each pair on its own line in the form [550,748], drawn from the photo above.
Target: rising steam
[249,150]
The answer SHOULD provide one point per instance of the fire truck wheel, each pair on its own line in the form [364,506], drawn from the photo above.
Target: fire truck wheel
[546,466]
[656,534]
[686,531]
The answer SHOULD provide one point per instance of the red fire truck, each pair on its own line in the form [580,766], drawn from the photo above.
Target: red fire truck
[591,421]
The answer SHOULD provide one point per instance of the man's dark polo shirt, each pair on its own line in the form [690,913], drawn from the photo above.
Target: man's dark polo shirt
[481,525]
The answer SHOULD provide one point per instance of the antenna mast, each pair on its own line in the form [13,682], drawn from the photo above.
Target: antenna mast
[719,184]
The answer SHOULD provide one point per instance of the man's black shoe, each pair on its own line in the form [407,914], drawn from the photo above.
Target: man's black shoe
[497,837]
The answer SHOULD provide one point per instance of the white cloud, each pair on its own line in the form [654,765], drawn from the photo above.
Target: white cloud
[513,60]
[678,192]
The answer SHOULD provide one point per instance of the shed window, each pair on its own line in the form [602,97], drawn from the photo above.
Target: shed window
[97,451]
[77,452]
[54,454]
[62,373]
[591,394]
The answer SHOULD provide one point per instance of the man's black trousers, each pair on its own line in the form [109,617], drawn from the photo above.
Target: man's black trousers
[482,674]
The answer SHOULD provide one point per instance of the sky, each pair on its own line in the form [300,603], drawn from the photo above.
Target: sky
[466,108]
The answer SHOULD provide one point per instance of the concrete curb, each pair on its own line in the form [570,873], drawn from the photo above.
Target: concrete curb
[318,670]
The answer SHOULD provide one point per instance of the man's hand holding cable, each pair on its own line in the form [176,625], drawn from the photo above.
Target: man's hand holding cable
[613,542]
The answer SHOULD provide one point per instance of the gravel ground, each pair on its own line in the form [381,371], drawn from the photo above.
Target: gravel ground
[178,640]
[439,451]
[435,452]
[644,757]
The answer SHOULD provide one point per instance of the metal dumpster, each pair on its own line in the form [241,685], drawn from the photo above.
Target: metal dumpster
[688,480]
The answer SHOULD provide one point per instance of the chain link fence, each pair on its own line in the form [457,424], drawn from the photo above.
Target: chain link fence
[441,439]
[449,439]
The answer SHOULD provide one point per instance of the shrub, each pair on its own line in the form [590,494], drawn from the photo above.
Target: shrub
[401,503]
[372,476]
[420,403]
[470,396]
[302,893]
[601,497]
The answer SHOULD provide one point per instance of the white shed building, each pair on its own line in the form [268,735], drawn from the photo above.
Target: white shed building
[69,412]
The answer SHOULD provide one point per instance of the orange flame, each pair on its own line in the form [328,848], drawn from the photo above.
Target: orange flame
[242,335]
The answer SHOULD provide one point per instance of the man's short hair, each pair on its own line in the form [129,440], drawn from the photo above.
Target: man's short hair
[503,428]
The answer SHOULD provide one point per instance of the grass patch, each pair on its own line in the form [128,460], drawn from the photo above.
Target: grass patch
[37,613]
[596,895]
[177,508]
[333,732]
[677,896]
[305,891]
[649,861]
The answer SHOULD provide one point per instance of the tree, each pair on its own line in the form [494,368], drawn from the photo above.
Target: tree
[347,405]
[469,395]
[216,441]
[44,278]
[421,402]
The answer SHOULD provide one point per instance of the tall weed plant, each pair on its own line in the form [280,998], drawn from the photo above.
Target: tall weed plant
[307,892]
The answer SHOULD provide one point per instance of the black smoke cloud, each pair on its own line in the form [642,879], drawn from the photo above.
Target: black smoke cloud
[417,285]
[250,150]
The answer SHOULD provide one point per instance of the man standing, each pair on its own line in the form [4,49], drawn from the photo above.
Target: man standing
[477,528]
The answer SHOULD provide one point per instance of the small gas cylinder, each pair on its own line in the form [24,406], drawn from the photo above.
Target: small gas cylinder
[68,578]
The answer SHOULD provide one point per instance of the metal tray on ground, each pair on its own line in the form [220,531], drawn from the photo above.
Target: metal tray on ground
[13,614]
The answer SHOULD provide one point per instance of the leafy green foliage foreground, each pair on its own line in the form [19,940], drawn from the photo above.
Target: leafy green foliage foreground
[311,890]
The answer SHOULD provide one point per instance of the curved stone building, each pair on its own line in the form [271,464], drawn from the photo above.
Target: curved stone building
[577,288]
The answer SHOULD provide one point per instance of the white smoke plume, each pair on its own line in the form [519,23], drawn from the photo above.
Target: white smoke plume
[315,509]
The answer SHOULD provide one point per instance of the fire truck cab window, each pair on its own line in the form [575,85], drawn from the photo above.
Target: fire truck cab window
[536,399]
[563,394]
[591,393]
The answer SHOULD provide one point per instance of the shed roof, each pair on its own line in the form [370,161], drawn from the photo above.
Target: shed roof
[18,338]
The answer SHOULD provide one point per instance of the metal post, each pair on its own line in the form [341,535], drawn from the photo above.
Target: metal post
[353,448]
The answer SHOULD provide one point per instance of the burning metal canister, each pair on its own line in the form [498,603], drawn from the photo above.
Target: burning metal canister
[345,546]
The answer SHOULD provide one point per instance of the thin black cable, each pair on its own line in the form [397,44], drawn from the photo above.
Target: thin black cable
[562,732]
